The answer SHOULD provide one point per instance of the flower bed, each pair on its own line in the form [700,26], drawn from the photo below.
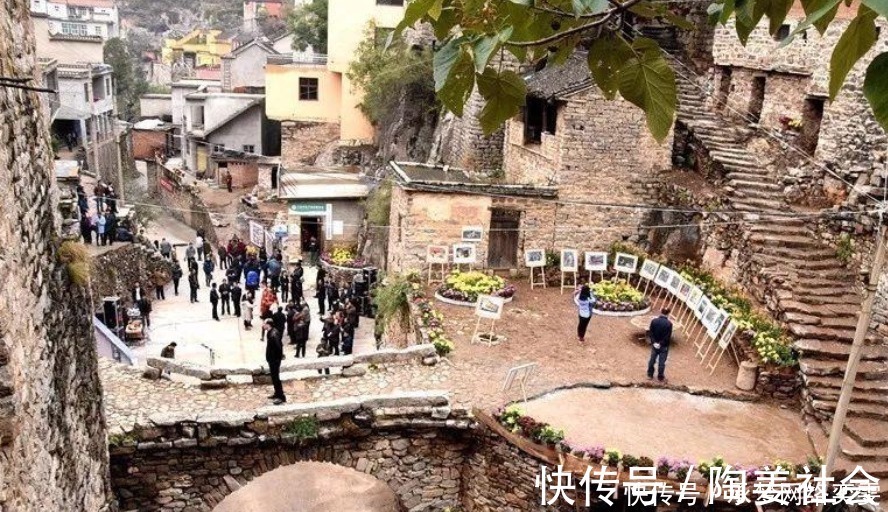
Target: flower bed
[513,418]
[344,257]
[465,287]
[619,297]
[430,323]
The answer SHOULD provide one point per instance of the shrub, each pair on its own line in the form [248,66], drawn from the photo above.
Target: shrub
[612,457]
[443,346]
[629,461]
[645,462]
[618,296]
[392,299]
[343,256]
[75,257]
[595,453]
[303,428]
[549,435]
[845,248]
[467,286]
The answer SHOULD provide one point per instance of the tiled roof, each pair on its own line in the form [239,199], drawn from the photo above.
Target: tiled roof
[431,178]
[554,81]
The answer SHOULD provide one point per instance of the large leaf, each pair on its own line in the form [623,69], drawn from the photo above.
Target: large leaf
[606,56]
[415,10]
[818,12]
[857,39]
[446,21]
[444,60]
[459,84]
[875,90]
[483,50]
[678,21]
[505,94]
[589,6]
[880,6]
[747,17]
[435,9]
[775,10]
[648,82]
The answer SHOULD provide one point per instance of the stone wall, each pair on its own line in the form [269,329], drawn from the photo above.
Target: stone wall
[413,442]
[53,452]
[115,272]
[468,147]
[302,142]
[183,201]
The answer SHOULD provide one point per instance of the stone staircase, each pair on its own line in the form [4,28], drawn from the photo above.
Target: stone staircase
[811,291]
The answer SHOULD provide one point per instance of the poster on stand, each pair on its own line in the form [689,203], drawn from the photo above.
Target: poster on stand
[649,269]
[436,254]
[534,258]
[716,322]
[489,306]
[464,254]
[569,261]
[257,234]
[595,261]
[664,276]
[627,263]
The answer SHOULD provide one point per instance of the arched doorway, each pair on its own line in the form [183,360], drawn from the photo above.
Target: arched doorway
[312,487]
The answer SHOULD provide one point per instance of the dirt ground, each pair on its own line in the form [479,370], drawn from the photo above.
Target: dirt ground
[540,326]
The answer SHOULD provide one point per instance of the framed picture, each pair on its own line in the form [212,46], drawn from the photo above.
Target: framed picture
[675,283]
[489,306]
[596,261]
[535,258]
[694,297]
[569,261]
[472,233]
[726,336]
[702,306]
[684,290]
[437,254]
[257,234]
[625,263]
[664,275]
[464,253]
[716,321]
[649,269]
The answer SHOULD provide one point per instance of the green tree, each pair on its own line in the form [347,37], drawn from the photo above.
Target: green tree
[474,31]
[309,24]
[129,83]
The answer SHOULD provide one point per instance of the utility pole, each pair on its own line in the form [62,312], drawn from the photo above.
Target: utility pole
[93,120]
[866,316]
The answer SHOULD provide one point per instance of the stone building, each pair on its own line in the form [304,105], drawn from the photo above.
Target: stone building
[53,451]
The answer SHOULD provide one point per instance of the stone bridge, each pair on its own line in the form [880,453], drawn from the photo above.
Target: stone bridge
[414,442]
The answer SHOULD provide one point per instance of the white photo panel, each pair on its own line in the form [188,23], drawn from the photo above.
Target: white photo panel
[684,290]
[595,261]
[535,258]
[701,308]
[437,254]
[472,233]
[715,325]
[726,336]
[489,306]
[464,253]
[675,283]
[664,275]
[649,269]
[625,263]
[694,297]
[569,261]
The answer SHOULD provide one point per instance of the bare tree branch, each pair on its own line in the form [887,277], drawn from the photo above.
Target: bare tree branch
[606,16]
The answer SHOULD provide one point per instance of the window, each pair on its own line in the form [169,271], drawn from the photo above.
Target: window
[74,29]
[389,2]
[218,148]
[782,33]
[539,116]
[308,89]
[86,92]
[249,148]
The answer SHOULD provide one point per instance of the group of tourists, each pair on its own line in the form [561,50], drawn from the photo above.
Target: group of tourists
[105,224]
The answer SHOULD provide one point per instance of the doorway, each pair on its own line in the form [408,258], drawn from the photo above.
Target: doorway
[724,88]
[311,227]
[812,116]
[757,99]
[502,251]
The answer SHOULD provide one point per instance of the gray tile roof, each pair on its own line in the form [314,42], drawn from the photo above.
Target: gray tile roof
[555,81]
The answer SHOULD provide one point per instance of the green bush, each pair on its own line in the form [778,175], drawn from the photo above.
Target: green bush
[303,428]
[845,248]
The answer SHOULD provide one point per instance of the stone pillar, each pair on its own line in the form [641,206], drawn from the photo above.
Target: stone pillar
[747,375]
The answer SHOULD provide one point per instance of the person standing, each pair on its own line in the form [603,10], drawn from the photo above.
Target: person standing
[325,347]
[199,245]
[228,181]
[225,297]
[273,271]
[236,294]
[111,227]
[321,295]
[303,323]
[285,285]
[160,279]
[584,300]
[247,311]
[137,293]
[207,249]
[252,281]
[208,268]
[223,257]
[313,251]
[274,354]
[165,248]
[190,253]
[193,284]
[177,274]
[332,296]
[279,319]
[99,192]
[145,310]
[660,334]
[348,336]
[214,300]
[101,224]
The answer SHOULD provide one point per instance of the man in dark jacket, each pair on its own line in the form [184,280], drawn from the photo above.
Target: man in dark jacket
[193,284]
[236,294]
[279,320]
[214,300]
[660,334]
[225,296]
[274,354]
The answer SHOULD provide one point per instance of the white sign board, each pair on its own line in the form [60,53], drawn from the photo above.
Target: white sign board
[716,322]
[535,258]
[694,297]
[625,263]
[649,269]
[702,306]
[664,275]
[569,261]
[595,261]
[684,290]
[269,243]
[675,283]
[489,306]
[338,227]
[257,234]
[727,335]
[436,254]
[464,253]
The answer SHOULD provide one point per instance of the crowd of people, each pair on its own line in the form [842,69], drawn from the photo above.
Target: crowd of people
[104,226]
[256,283]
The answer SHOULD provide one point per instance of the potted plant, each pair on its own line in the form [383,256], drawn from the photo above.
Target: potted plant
[664,465]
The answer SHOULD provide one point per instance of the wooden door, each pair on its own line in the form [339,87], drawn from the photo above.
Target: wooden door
[502,247]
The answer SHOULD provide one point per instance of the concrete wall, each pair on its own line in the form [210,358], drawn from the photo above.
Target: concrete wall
[348,21]
[156,105]
[282,91]
[247,68]
[245,130]
[53,451]
[65,52]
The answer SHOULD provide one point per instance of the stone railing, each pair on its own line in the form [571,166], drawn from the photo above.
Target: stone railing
[352,365]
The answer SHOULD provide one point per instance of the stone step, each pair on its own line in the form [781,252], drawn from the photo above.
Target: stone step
[734,160]
[867,432]
[839,273]
[757,206]
[755,185]
[785,240]
[816,332]
[748,175]
[822,311]
[867,370]
[731,151]
[794,263]
[875,398]
[796,252]
[842,300]
[863,410]
[802,288]
[776,228]
[838,349]
[835,383]
[817,435]
[751,193]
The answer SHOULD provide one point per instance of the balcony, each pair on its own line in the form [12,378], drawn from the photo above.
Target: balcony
[297,59]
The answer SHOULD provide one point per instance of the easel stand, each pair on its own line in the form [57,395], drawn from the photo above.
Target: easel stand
[541,282]
[443,272]
[491,337]
[720,350]
[571,285]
